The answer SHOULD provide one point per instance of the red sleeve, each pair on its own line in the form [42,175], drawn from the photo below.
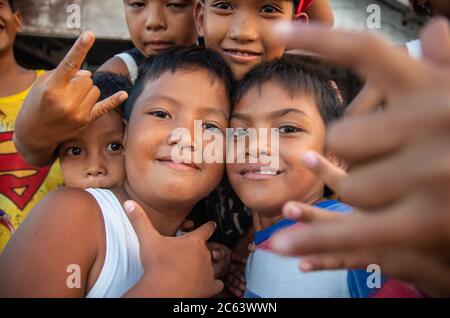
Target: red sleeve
[303,5]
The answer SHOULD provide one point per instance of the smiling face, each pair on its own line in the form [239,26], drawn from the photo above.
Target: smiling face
[301,128]
[94,159]
[10,24]
[156,25]
[242,30]
[171,102]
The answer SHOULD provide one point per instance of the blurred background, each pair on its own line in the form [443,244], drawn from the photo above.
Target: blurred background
[47,38]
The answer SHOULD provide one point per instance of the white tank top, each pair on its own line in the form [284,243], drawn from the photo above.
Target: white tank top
[122,268]
[132,67]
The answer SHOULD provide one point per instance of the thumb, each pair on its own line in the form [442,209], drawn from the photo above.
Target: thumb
[141,223]
[435,39]
[107,105]
[205,231]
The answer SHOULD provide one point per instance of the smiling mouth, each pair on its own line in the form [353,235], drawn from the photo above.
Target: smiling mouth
[242,56]
[183,166]
[260,174]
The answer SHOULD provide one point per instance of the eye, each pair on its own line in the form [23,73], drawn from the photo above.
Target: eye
[177,5]
[160,114]
[240,132]
[212,127]
[270,9]
[114,147]
[288,130]
[222,6]
[74,151]
[136,4]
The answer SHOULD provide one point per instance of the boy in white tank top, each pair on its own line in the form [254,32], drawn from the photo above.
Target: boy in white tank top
[89,232]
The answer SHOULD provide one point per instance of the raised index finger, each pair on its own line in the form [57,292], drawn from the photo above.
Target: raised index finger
[72,62]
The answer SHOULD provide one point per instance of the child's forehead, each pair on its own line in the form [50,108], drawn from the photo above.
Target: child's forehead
[272,99]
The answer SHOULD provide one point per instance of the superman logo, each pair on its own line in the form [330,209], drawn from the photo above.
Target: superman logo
[19,181]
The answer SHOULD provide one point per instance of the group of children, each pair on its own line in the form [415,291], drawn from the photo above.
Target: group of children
[121,216]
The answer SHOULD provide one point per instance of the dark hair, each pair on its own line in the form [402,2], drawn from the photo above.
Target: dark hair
[298,78]
[296,4]
[12,5]
[421,8]
[179,58]
[110,83]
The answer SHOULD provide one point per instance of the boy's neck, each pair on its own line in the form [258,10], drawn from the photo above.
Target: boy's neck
[265,219]
[8,64]
[166,221]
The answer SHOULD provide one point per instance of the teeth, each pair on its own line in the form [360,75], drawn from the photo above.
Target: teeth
[241,53]
[269,173]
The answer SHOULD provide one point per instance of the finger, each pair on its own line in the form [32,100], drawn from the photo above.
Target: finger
[82,84]
[339,260]
[435,39]
[301,212]
[83,73]
[216,287]
[394,225]
[366,185]
[204,232]
[236,292]
[72,62]
[107,105]
[328,172]
[388,130]
[358,51]
[141,223]
[366,101]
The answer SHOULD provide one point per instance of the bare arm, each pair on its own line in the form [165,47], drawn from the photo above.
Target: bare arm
[63,229]
[114,65]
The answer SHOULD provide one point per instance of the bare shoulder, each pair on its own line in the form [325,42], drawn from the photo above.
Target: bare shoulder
[115,65]
[62,231]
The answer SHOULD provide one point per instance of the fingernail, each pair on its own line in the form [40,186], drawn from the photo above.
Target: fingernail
[215,225]
[306,266]
[129,207]
[310,159]
[293,211]
[86,37]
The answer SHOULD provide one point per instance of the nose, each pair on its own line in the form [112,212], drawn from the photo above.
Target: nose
[155,17]
[243,29]
[187,137]
[96,166]
[260,142]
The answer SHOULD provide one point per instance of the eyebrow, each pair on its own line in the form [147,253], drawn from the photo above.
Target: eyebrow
[216,111]
[272,115]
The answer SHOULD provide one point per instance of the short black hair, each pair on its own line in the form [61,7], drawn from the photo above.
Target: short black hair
[296,4]
[110,84]
[179,58]
[297,77]
[421,8]
[12,5]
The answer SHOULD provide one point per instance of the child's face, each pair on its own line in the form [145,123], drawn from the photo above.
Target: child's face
[156,25]
[175,101]
[10,24]
[241,30]
[94,159]
[301,128]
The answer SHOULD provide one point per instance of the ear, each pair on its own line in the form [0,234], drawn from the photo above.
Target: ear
[18,21]
[199,15]
[301,17]
[337,161]
[125,134]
